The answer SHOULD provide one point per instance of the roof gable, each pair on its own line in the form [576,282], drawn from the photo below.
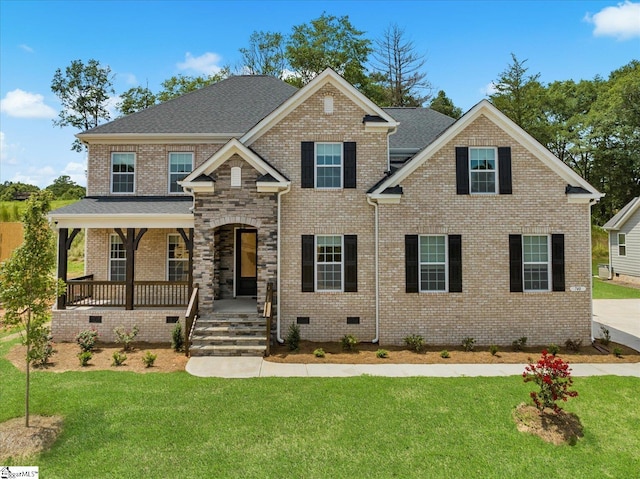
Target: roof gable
[485,108]
[623,215]
[371,110]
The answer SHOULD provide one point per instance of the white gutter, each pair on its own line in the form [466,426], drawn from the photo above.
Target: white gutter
[375,208]
[278,332]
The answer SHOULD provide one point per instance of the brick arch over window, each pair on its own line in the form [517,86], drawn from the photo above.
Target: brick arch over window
[245,220]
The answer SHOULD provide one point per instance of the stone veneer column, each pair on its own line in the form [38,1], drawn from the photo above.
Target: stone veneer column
[203,255]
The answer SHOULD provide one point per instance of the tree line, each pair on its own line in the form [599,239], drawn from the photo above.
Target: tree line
[62,188]
[591,125]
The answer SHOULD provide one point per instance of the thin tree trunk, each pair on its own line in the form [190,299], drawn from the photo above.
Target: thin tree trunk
[26,399]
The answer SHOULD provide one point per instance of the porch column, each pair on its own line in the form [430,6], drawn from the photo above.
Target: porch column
[131,242]
[64,244]
[188,241]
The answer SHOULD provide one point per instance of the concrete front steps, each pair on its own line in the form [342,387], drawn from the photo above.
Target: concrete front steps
[229,334]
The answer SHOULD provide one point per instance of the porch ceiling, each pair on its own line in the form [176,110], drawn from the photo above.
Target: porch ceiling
[120,212]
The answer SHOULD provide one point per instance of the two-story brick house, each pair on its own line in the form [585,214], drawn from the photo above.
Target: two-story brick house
[376,222]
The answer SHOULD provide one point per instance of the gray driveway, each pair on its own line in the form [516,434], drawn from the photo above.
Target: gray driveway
[621,317]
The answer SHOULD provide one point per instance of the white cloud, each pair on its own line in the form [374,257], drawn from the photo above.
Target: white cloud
[26,48]
[488,89]
[206,63]
[621,22]
[77,172]
[129,78]
[22,104]
[40,176]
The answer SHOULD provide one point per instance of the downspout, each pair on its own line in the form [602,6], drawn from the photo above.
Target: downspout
[591,273]
[375,209]
[278,337]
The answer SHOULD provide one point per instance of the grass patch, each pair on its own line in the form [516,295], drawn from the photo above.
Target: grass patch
[608,290]
[12,210]
[132,425]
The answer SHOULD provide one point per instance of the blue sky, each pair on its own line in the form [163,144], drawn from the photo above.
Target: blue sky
[466,44]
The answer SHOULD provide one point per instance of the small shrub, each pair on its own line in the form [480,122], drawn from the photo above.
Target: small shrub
[606,335]
[41,347]
[444,354]
[177,338]
[149,358]
[519,344]
[553,349]
[318,353]
[85,357]
[415,342]
[468,344]
[293,337]
[573,345]
[126,336]
[493,349]
[617,352]
[349,342]
[382,353]
[87,339]
[118,358]
[553,376]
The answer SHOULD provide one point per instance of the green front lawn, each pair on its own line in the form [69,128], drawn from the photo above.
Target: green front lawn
[119,424]
[608,290]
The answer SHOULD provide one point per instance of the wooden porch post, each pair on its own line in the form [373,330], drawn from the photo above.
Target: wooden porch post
[64,244]
[131,242]
[188,241]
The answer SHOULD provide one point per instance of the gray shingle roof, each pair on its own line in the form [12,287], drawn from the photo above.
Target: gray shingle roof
[418,127]
[613,223]
[233,105]
[139,205]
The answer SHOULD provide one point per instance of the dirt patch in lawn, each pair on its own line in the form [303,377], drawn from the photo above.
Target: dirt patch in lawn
[557,428]
[366,354]
[18,441]
[66,358]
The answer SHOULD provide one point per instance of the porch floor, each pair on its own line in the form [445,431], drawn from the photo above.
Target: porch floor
[235,305]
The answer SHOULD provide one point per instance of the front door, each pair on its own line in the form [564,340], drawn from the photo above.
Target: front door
[246,262]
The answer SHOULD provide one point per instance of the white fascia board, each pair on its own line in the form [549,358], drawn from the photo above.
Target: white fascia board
[271,187]
[386,199]
[327,76]
[122,221]
[620,223]
[154,138]
[198,186]
[376,126]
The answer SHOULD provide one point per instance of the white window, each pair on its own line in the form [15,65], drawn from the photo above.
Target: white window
[117,259]
[622,244]
[329,259]
[536,262]
[328,165]
[180,165]
[236,176]
[123,166]
[177,259]
[433,263]
[482,170]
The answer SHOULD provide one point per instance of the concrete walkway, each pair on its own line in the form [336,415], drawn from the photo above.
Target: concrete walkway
[621,317]
[249,367]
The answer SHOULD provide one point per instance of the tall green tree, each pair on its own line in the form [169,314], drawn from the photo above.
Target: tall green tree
[9,190]
[443,104]
[64,188]
[135,99]
[265,54]
[400,69]
[83,90]
[27,285]
[180,84]
[328,42]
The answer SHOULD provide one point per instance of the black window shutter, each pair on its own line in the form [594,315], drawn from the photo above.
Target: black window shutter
[350,263]
[504,170]
[462,170]
[308,164]
[308,263]
[411,263]
[515,264]
[557,262]
[455,264]
[349,180]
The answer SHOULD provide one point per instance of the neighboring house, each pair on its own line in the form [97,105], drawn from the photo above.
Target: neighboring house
[376,222]
[624,242]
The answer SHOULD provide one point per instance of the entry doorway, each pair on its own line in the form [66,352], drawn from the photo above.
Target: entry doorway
[246,262]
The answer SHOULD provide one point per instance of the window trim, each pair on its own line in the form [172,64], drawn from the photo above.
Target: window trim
[316,166]
[112,173]
[169,260]
[182,192]
[622,244]
[445,264]
[112,259]
[549,264]
[495,171]
[316,263]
